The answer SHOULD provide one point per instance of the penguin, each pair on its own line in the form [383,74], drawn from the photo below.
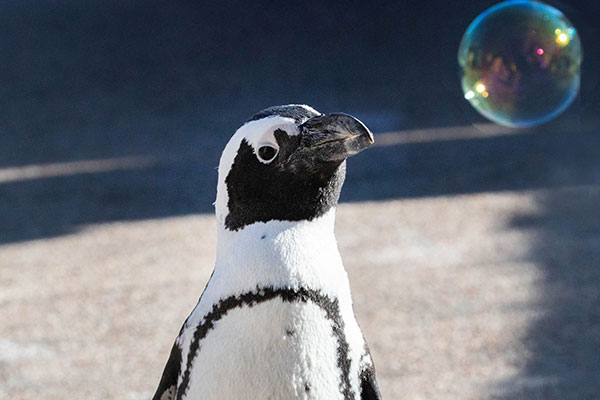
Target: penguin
[275,320]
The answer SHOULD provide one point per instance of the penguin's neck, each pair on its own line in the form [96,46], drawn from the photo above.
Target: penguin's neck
[281,254]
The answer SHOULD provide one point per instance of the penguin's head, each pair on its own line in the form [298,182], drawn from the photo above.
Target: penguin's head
[286,163]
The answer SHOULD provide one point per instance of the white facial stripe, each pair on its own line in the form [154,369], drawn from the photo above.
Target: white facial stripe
[309,108]
[262,131]
[256,133]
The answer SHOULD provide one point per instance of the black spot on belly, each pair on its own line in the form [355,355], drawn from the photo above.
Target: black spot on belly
[289,332]
[303,295]
[263,236]
[307,388]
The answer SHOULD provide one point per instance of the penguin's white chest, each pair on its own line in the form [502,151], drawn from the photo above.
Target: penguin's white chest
[281,348]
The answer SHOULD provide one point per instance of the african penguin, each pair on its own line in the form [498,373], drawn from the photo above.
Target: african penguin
[275,320]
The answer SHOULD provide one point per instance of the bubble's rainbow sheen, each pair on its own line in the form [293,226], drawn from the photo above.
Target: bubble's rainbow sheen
[520,63]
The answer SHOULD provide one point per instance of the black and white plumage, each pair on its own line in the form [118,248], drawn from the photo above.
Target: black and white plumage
[275,320]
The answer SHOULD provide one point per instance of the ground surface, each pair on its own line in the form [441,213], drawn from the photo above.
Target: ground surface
[443,289]
[460,297]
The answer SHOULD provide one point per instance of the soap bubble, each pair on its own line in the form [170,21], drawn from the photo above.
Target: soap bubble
[520,63]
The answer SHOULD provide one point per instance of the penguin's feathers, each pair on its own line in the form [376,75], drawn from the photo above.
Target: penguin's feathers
[168,382]
[275,320]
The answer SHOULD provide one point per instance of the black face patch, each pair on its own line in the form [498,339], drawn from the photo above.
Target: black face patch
[298,113]
[292,187]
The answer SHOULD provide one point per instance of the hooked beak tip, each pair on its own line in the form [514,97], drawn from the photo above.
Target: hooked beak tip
[338,135]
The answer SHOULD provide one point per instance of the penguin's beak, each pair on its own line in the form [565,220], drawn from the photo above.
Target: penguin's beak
[334,137]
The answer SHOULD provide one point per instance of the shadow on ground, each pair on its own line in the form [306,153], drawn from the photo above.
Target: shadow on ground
[170,83]
[564,343]
[184,182]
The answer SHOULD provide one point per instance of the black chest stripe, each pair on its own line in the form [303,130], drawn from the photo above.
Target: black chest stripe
[304,295]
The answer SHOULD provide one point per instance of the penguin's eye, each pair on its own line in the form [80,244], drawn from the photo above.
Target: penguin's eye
[267,153]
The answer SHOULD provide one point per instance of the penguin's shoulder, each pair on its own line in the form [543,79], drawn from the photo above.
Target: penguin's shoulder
[369,389]
[168,383]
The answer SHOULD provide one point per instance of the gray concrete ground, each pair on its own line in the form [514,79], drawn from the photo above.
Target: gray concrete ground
[443,288]
[492,295]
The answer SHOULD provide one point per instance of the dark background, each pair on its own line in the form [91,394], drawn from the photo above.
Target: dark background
[167,83]
[173,80]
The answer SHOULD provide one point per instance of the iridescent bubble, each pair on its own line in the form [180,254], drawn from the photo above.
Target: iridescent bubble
[520,63]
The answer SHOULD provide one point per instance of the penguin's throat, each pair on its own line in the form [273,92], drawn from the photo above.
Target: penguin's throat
[280,254]
[279,244]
